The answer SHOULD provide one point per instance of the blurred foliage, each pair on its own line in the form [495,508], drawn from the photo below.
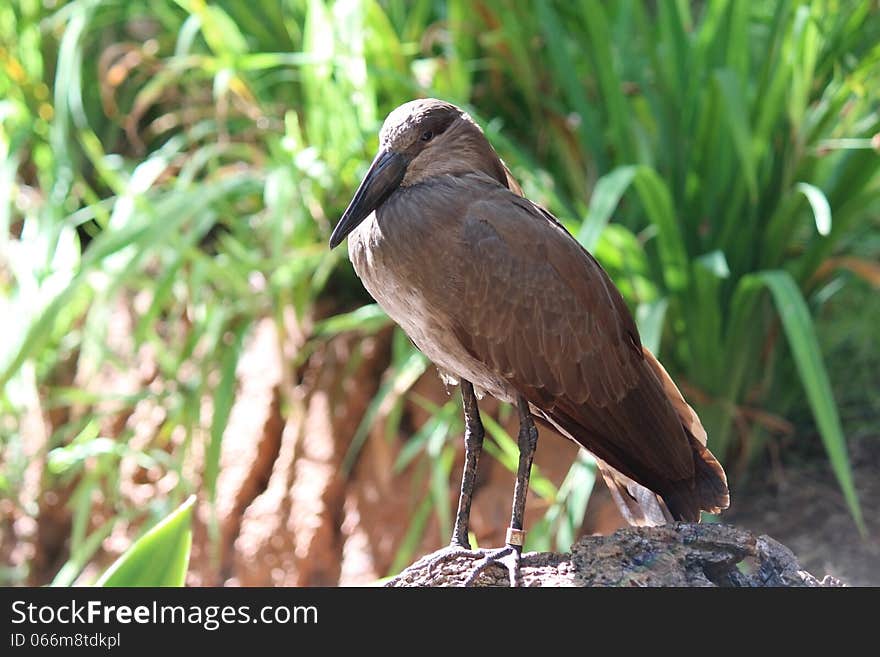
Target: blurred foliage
[198,153]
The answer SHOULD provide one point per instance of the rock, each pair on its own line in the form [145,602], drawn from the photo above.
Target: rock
[681,554]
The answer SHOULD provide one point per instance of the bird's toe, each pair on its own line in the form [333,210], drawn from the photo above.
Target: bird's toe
[450,554]
[507,557]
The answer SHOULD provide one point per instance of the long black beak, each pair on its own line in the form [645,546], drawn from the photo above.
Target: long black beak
[384,176]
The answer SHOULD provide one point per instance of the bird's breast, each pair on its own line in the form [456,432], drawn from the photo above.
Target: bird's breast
[408,268]
[383,268]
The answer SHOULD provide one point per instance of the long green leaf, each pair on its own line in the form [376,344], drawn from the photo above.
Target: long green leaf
[224,397]
[606,195]
[736,116]
[657,201]
[367,319]
[599,45]
[410,369]
[820,206]
[804,346]
[158,558]
[649,319]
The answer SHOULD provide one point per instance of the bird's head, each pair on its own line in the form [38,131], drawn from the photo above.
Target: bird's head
[420,140]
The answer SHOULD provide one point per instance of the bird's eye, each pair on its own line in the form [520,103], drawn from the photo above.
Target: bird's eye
[427,135]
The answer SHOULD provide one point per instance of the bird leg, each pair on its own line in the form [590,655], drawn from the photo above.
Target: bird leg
[509,555]
[473,447]
[528,443]
[460,545]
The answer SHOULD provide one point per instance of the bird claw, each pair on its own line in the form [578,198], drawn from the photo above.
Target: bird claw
[449,553]
[507,556]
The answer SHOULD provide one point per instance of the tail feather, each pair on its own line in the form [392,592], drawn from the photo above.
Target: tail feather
[682,500]
[638,505]
[642,496]
[710,481]
[684,410]
[707,491]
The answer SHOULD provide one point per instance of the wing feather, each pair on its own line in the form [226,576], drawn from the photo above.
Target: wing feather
[523,299]
[553,321]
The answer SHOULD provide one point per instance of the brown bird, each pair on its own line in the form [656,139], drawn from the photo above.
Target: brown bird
[496,293]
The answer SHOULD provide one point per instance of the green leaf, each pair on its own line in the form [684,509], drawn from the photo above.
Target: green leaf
[574,494]
[569,80]
[649,319]
[804,346]
[368,319]
[736,116]
[400,380]
[224,397]
[657,201]
[443,421]
[705,317]
[505,450]
[79,557]
[414,534]
[715,262]
[441,467]
[601,50]
[819,203]
[158,558]
[606,195]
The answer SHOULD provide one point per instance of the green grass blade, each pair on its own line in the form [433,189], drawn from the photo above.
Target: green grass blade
[606,195]
[402,380]
[599,46]
[444,421]
[80,557]
[441,467]
[158,558]
[413,537]
[804,346]
[649,319]
[657,201]
[568,78]
[505,450]
[819,204]
[366,319]
[705,317]
[224,397]
[736,117]
[575,490]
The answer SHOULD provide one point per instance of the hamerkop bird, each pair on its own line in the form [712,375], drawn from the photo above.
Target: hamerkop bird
[502,299]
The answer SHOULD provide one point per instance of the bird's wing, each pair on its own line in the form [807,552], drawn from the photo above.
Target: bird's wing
[539,311]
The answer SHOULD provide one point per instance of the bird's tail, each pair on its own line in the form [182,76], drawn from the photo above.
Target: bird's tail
[707,491]
[639,506]
[667,500]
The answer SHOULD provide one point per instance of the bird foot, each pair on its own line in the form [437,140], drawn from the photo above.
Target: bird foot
[507,556]
[444,555]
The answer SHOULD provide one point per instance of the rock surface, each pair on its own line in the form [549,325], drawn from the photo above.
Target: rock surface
[682,554]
